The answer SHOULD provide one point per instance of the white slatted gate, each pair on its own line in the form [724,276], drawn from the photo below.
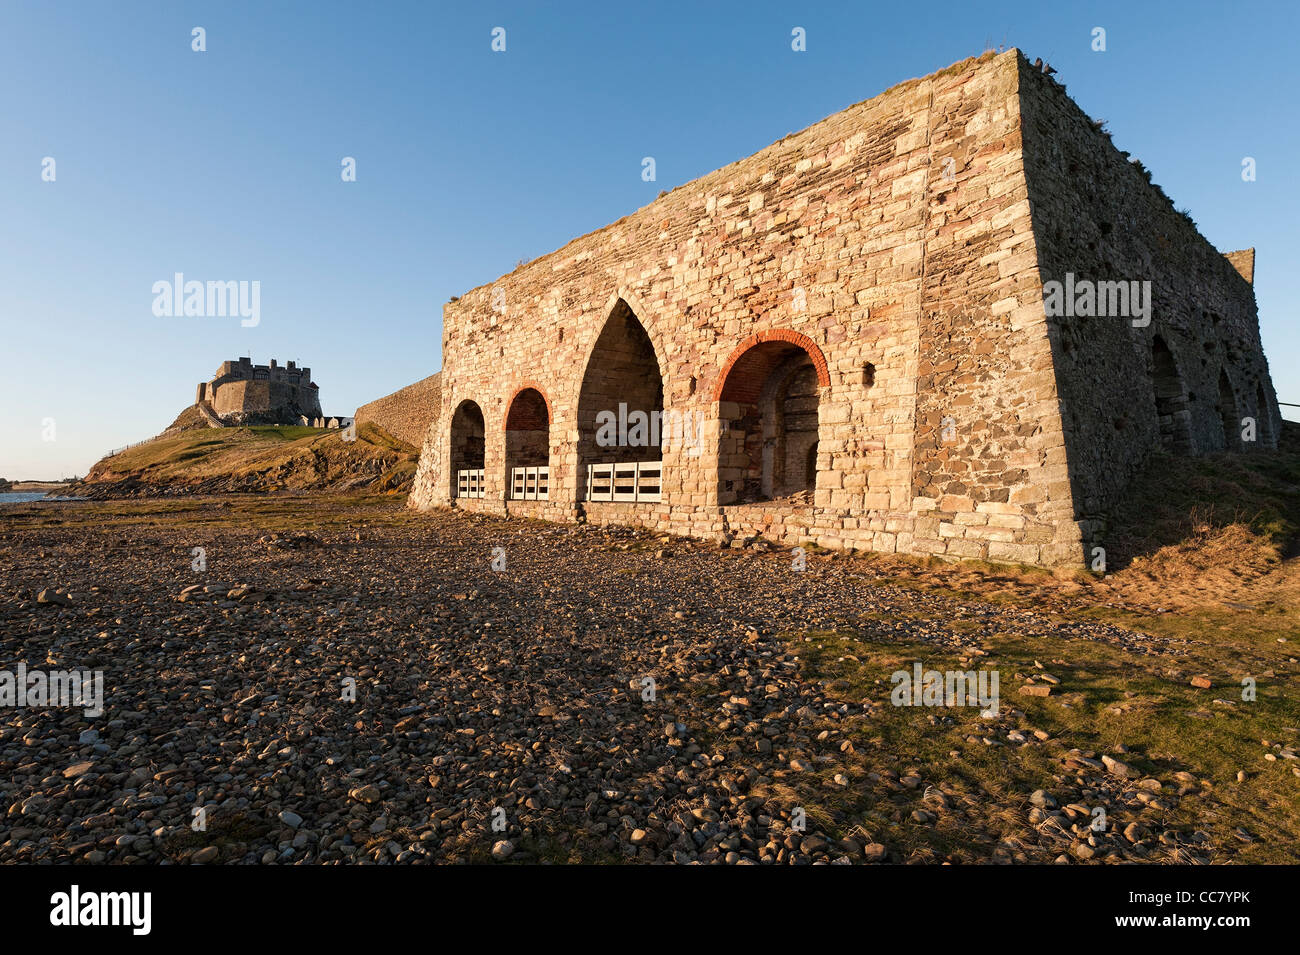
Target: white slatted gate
[633,481]
[530,484]
[469,483]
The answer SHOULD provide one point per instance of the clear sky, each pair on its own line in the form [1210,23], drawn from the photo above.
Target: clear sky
[225,165]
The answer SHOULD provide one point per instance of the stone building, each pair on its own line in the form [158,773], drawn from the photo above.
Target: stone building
[243,393]
[953,319]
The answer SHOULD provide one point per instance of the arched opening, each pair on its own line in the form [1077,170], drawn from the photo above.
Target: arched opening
[1172,413]
[769,409]
[467,432]
[1263,418]
[1228,415]
[528,446]
[620,414]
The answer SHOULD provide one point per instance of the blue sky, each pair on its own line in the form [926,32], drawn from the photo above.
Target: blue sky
[225,165]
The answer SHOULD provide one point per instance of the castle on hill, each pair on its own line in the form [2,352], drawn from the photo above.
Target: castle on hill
[243,393]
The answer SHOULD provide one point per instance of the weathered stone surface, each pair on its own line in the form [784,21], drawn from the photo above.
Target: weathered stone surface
[853,326]
[243,393]
[406,413]
[1184,381]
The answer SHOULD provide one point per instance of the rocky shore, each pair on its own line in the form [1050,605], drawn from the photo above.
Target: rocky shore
[344,681]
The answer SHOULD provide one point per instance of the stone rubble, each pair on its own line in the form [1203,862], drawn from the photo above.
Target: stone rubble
[500,716]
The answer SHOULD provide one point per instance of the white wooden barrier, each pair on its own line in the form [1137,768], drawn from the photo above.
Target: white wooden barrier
[530,484]
[631,481]
[469,483]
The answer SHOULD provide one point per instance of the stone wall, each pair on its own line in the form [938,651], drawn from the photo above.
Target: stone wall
[1244,262]
[406,413]
[988,476]
[256,400]
[1098,217]
[890,245]
[864,296]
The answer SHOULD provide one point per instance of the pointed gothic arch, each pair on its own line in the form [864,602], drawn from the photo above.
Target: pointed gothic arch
[621,400]
[1173,414]
[1229,416]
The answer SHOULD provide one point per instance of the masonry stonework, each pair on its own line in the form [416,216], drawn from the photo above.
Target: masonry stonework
[843,339]
[1188,379]
[243,393]
[406,413]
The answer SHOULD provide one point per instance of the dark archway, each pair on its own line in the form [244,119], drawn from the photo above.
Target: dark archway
[1228,414]
[620,413]
[1263,418]
[1173,416]
[467,450]
[768,404]
[528,446]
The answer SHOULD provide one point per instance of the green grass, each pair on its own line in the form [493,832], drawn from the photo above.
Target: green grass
[1107,697]
[285,432]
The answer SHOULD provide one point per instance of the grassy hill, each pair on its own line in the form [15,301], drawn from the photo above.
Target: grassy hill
[258,458]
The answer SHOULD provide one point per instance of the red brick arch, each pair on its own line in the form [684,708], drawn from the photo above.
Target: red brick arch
[774,335]
[525,386]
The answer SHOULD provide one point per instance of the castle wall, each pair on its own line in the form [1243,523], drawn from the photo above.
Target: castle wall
[261,396]
[1096,216]
[406,413]
[240,397]
[893,244]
